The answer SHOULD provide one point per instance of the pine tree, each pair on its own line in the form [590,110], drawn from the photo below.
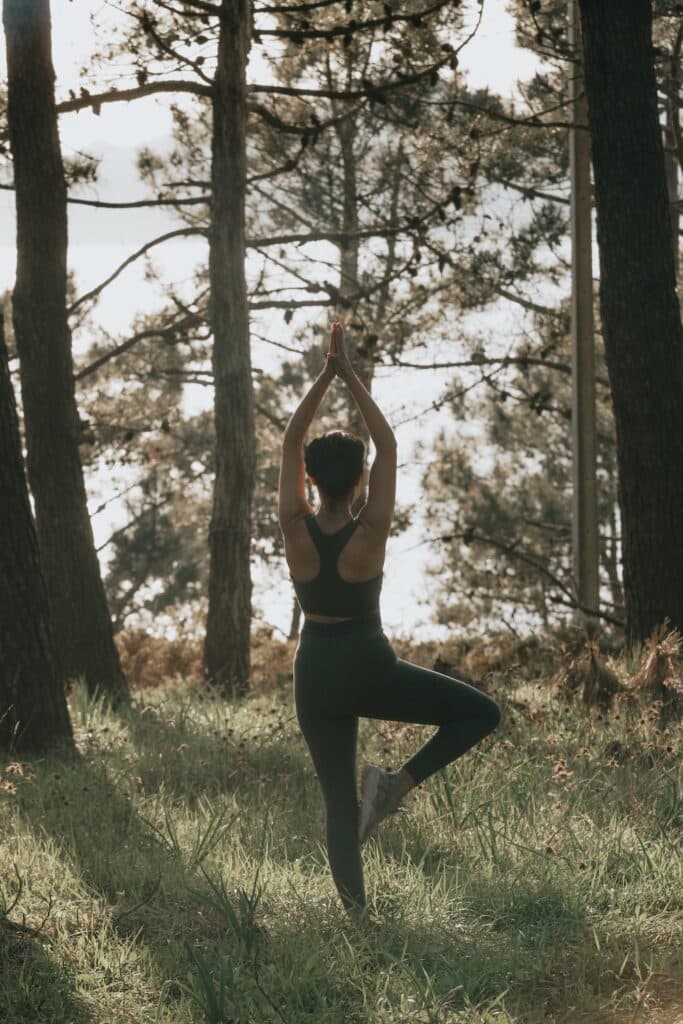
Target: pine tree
[639,306]
[33,712]
[80,619]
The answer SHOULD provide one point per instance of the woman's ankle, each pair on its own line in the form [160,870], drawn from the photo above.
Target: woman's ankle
[356,912]
[406,783]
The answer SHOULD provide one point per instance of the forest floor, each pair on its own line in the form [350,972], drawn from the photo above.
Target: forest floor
[175,870]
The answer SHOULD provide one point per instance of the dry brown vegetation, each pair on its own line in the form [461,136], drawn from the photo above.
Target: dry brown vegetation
[574,663]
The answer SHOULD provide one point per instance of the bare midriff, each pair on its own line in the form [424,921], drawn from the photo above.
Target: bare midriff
[326,618]
[330,618]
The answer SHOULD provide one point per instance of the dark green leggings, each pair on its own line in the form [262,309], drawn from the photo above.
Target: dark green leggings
[343,671]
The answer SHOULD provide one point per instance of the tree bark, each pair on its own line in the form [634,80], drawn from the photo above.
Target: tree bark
[640,312]
[227,643]
[33,712]
[82,631]
[295,621]
[610,559]
[348,285]
[348,253]
[671,135]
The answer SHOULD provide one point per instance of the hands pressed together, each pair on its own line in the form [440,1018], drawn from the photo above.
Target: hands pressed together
[337,363]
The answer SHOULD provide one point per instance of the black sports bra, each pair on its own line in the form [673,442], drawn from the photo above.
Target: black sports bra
[328,593]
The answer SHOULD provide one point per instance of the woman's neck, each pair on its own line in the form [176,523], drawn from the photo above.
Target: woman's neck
[333,516]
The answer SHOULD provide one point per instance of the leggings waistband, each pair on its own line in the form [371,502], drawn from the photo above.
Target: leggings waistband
[364,627]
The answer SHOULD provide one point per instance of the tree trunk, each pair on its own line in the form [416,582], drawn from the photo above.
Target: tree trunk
[295,621]
[348,286]
[672,136]
[33,713]
[81,626]
[348,270]
[610,560]
[227,644]
[640,313]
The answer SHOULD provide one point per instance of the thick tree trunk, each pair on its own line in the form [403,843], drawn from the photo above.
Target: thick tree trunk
[80,620]
[227,644]
[640,313]
[33,713]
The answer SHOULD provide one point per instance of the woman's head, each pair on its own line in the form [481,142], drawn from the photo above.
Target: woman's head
[335,461]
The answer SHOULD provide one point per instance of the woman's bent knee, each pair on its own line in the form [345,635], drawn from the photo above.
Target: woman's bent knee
[493,714]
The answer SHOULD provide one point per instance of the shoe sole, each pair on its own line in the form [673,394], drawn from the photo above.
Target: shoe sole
[369,784]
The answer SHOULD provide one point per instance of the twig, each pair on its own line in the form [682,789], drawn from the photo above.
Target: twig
[94,292]
[8,910]
[265,994]
[652,974]
[24,929]
[145,899]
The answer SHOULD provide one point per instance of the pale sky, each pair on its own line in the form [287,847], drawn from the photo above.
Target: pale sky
[100,240]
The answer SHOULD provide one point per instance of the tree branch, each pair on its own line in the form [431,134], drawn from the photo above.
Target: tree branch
[203,6]
[377,231]
[134,204]
[322,236]
[301,129]
[371,88]
[351,27]
[532,121]
[290,303]
[532,307]
[297,8]
[159,332]
[532,193]
[138,203]
[588,611]
[278,421]
[148,27]
[95,100]
[522,556]
[179,233]
[501,361]
[286,167]
[153,506]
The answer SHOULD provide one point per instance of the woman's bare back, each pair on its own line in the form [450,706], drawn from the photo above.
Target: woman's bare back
[361,558]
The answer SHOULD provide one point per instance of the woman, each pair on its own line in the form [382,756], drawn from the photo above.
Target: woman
[344,665]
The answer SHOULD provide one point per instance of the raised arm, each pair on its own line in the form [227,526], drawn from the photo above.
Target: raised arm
[292,500]
[381,433]
[302,417]
[378,510]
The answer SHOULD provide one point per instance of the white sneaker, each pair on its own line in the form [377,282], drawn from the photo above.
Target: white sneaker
[378,799]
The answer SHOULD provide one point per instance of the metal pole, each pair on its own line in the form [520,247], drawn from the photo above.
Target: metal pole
[585,513]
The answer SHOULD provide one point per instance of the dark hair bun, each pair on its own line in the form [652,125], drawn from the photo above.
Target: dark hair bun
[336,460]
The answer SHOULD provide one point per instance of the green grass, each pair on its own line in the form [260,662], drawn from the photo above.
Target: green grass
[176,872]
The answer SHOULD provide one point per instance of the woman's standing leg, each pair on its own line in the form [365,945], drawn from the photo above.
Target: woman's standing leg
[331,732]
[332,743]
